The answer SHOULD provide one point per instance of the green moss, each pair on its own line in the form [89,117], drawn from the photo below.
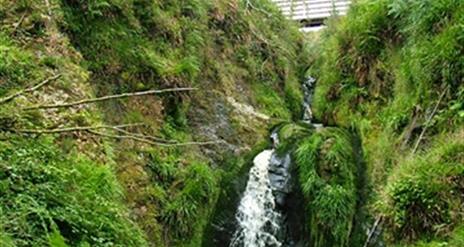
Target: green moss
[271,103]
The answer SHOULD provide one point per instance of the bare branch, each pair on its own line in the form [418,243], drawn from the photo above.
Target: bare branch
[152,140]
[377,222]
[17,24]
[72,129]
[31,89]
[428,121]
[109,97]
[145,140]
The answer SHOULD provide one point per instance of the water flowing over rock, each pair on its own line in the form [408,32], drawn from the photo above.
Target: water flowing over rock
[308,90]
[266,213]
[258,220]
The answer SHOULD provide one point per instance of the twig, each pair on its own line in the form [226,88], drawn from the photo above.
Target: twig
[428,121]
[408,133]
[109,97]
[372,231]
[72,129]
[154,138]
[249,4]
[31,89]
[139,139]
[17,24]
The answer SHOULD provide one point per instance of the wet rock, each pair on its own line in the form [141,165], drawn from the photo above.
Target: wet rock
[279,176]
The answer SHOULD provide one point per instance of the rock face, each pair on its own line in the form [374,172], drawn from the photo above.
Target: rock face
[308,91]
[279,176]
[288,203]
[288,199]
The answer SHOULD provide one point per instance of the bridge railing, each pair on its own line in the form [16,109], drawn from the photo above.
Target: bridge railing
[312,12]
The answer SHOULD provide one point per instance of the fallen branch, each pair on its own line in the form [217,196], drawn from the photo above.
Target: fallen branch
[144,140]
[427,122]
[408,133]
[109,97]
[377,222]
[72,129]
[17,24]
[31,89]
[152,140]
[249,4]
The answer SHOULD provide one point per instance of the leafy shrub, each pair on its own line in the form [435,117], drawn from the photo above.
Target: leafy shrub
[46,197]
[425,192]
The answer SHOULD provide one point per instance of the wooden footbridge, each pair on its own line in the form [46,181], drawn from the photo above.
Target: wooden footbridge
[312,13]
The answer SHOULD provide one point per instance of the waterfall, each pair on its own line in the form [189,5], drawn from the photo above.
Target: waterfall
[263,214]
[308,90]
[257,218]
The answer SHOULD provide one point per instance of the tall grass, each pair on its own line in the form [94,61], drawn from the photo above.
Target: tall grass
[327,176]
[382,69]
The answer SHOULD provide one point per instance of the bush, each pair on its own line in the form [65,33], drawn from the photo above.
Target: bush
[424,195]
[45,196]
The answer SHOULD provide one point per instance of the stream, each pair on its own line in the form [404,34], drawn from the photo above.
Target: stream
[264,213]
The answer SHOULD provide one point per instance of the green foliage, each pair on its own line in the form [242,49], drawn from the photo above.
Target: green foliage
[226,47]
[198,188]
[383,69]
[327,176]
[183,190]
[47,198]
[268,100]
[424,193]
[290,134]
[16,65]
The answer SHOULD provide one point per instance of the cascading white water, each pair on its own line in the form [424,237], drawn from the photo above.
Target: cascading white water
[257,218]
[259,221]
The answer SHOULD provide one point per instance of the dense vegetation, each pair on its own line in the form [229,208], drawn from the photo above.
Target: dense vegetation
[90,188]
[393,71]
[327,171]
[389,83]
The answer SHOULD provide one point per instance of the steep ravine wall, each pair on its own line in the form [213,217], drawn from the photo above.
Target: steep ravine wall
[393,70]
[78,188]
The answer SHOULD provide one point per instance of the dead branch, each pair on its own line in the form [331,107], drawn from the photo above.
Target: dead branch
[109,97]
[377,222]
[427,122]
[72,129]
[153,138]
[408,133]
[31,89]
[17,24]
[252,6]
[146,140]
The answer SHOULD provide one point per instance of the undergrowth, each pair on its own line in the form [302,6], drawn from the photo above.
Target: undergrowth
[394,70]
[47,196]
[102,47]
